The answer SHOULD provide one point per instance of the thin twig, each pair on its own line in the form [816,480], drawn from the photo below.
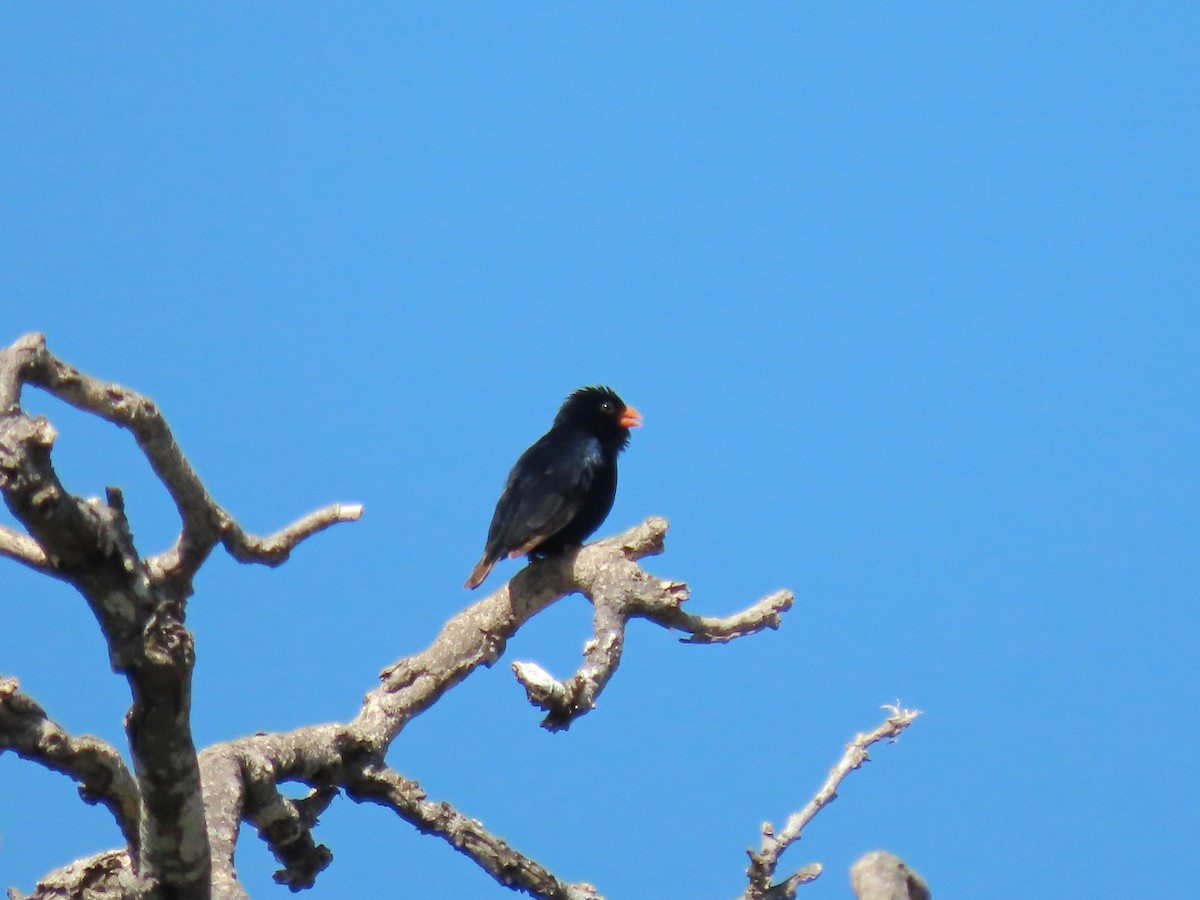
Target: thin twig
[25,550]
[763,863]
[766,613]
[275,549]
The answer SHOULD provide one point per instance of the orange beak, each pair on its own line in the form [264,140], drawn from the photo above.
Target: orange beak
[631,418]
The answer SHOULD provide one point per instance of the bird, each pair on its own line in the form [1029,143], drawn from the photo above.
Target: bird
[562,488]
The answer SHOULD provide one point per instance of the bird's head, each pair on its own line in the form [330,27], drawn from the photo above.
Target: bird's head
[601,411]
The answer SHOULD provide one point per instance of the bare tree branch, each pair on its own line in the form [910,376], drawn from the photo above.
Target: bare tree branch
[620,590]
[386,787]
[766,613]
[204,522]
[139,605]
[180,811]
[223,790]
[566,701]
[474,637]
[25,550]
[104,876]
[478,635]
[240,777]
[764,862]
[33,363]
[90,544]
[285,824]
[98,768]
[786,889]
[276,548]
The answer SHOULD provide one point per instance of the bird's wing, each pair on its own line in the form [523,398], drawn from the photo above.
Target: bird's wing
[544,492]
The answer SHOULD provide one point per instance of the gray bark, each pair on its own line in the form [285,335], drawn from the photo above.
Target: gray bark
[180,811]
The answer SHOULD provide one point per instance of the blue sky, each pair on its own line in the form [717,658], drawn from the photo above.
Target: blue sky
[907,296]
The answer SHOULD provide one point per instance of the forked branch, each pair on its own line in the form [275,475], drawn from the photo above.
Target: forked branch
[763,863]
[180,811]
[203,522]
[103,778]
[139,605]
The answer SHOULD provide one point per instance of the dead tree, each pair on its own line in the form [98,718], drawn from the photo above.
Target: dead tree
[180,809]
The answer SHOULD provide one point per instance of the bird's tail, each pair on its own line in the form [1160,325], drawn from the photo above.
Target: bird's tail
[480,572]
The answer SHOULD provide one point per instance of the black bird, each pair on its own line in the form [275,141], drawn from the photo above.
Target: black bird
[562,488]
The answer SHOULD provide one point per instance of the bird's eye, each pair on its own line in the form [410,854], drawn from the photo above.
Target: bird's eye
[606,406]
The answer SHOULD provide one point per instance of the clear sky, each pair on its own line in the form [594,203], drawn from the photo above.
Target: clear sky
[908,297]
